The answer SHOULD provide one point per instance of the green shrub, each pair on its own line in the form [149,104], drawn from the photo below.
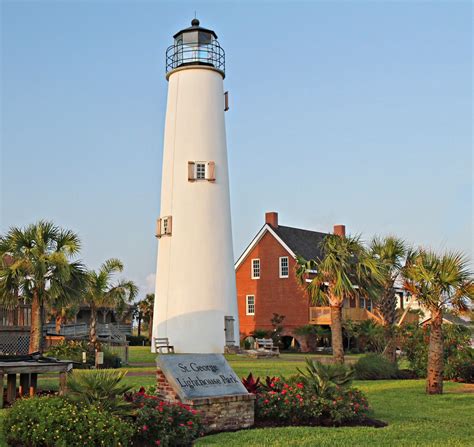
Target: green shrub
[460,366]
[100,387]
[369,336]
[56,422]
[73,350]
[164,424]
[324,379]
[414,341]
[260,333]
[298,404]
[138,340]
[375,367]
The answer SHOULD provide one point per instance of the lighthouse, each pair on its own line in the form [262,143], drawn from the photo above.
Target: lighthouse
[195,294]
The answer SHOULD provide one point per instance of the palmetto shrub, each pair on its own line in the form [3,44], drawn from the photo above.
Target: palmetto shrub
[56,422]
[100,387]
[375,367]
[324,379]
[164,424]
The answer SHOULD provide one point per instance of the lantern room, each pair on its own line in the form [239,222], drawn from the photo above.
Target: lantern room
[195,46]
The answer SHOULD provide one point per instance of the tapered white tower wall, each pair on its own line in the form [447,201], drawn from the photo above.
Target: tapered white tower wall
[195,279]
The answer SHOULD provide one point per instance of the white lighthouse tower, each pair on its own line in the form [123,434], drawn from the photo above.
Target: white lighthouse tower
[195,299]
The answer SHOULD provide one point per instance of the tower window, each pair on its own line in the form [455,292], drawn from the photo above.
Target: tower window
[163,226]
[255,268]
[284,268]
[200,171]
[250,305]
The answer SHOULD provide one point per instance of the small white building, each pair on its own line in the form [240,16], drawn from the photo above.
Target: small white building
[196,303]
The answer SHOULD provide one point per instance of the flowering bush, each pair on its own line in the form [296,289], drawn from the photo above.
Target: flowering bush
[55,422]
[164,424]
[414,342]
[298,404]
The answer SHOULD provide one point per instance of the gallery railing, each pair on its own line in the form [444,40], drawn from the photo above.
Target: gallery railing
[211,54]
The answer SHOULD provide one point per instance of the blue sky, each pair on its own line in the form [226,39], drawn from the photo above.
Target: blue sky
[341,112]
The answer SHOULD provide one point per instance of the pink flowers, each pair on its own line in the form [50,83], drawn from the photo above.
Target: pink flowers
[145,428]
[299,386]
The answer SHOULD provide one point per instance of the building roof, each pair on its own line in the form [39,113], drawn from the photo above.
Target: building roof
[296,241]
[305,243]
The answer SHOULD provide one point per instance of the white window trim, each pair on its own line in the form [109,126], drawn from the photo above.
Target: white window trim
[247,305]
[259,268]
[287,266]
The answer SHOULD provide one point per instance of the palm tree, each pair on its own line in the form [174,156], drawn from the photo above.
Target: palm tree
[102,292]
[439,283]
[36,265]
[62,312]
[145,307]
[343,265]
[391,253]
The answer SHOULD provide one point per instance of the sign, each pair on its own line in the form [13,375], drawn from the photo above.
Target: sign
[200,375]
[99,358]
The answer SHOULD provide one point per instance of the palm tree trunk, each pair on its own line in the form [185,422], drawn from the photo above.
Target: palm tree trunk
[336,334]
[139,330]
[58,321]
[36,328]
[434,382]
[93,328]
[390,351]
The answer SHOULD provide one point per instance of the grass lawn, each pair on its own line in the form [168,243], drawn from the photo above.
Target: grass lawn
[414,418]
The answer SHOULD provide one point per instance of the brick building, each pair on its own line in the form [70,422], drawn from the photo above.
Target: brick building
[267,284]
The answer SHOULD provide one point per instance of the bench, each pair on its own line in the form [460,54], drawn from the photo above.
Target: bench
[163,343]
[266,344]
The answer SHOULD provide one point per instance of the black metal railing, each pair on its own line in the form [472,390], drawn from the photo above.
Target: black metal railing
[211,54]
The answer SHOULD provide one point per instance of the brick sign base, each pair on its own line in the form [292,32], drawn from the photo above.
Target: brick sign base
[218,413]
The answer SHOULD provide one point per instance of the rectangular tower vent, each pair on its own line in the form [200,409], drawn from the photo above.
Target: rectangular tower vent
[226,101]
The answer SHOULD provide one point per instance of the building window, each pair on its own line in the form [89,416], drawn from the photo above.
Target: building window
[250,305]
[362,303]
[200,171]
[284,269]
[255,268]
[369,305]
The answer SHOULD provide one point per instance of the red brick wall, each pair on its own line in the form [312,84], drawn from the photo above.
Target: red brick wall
[272,293]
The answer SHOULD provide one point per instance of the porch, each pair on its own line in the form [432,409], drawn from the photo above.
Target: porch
[322,315]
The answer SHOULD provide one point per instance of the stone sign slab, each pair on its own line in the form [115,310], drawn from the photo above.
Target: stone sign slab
[195,376]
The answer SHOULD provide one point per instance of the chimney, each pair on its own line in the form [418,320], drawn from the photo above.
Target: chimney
[340,230]
[271,218]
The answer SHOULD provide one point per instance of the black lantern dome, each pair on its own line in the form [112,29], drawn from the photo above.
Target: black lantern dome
[195,46]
